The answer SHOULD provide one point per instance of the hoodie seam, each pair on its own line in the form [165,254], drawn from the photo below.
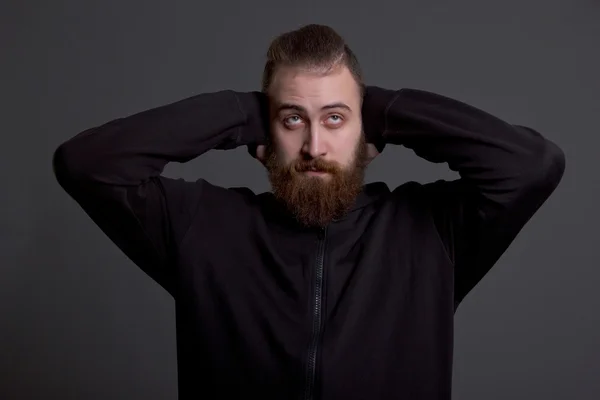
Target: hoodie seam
[238,139]
[387,110]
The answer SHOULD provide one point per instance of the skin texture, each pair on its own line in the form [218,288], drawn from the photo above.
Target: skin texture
[317,154]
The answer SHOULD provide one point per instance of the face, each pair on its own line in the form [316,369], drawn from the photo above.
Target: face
[316,158]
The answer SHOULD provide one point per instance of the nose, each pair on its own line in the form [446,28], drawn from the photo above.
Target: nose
[313,145]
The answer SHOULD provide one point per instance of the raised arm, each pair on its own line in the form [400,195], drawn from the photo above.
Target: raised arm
[506,172]
[113,171]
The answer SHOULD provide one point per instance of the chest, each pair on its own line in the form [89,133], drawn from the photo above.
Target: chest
[379,260]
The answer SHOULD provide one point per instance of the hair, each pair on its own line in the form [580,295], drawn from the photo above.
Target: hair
[317,48]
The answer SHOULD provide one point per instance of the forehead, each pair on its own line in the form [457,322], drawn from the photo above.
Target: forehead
[314,89]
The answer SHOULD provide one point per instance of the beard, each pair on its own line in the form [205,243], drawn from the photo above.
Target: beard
[315,201]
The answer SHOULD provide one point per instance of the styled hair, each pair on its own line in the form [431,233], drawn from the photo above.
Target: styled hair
[316,48]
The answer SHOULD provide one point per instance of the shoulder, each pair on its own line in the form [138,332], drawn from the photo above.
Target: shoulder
[417,194]
[205,200]
[429,200]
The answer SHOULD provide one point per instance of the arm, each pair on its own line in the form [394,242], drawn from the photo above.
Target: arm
[506,172]
[113,171]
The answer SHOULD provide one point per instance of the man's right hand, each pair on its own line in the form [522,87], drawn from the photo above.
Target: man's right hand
[258,150]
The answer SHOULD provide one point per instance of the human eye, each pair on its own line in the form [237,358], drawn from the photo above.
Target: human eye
[292,120]
[335,119]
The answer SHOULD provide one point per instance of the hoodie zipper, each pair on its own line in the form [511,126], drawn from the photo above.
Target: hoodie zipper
[317,318]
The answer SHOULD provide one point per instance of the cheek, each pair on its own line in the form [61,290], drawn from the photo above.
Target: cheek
[288,144]
[285,150]
[344,152]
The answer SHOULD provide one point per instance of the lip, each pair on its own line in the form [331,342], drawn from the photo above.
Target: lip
[315,173]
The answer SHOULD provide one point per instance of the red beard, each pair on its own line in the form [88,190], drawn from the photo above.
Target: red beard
[315,201]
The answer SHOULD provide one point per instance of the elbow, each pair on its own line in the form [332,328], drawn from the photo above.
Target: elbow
[547,161]
[62,164]
[553,164]
[548,169]
[68,165]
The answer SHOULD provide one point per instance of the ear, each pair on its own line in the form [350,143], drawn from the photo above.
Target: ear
[261,153]
[258,152]
[372,153]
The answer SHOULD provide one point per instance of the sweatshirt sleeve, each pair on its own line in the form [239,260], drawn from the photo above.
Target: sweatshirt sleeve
[113,171]
[506,172]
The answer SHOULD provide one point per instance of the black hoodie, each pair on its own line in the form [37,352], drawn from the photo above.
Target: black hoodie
[268,309]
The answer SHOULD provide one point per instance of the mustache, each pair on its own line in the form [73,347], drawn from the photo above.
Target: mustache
[317,165]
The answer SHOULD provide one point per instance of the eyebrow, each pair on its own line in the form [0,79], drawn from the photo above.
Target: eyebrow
[291,106]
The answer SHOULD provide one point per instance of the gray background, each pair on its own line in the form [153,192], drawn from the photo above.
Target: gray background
[79,321]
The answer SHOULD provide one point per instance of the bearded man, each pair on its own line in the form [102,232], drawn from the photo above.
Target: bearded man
[325,287]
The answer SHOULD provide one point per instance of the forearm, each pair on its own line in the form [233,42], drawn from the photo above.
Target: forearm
[130,150]
[506,172]
[494,155]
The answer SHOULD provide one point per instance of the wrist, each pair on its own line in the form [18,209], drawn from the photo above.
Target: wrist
[376,102]
[254,107]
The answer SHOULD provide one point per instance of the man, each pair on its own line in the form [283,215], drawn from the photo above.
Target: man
[325,288]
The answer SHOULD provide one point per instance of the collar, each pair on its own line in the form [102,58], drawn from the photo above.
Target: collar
[369,194]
